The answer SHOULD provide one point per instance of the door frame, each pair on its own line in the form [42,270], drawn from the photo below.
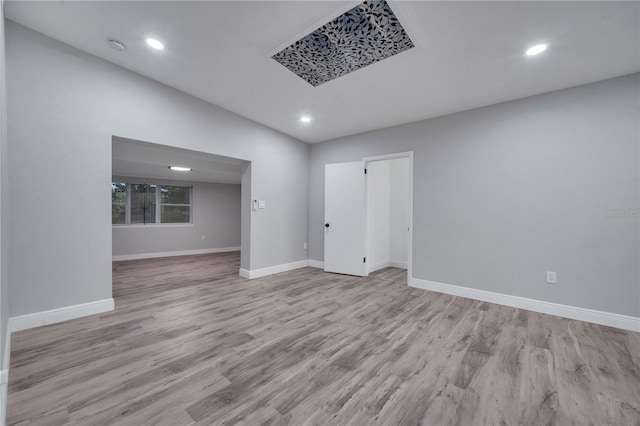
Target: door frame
[393,156]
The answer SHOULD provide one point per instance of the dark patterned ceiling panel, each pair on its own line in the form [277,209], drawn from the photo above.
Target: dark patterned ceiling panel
[368,33]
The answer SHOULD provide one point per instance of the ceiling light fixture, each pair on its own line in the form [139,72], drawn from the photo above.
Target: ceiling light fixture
[535,50]
[155,43]
[305,119]
[180,169]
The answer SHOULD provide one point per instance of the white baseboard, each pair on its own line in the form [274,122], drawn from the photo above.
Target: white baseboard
[6,359]
[566,311]
[387,264]
[172,253]
[257,273]
[263,272]
[316,264]
[4,389]
[4,376]
[378,266]
[398,264]
[38,319]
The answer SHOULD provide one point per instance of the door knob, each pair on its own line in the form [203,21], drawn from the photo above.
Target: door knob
[326,225]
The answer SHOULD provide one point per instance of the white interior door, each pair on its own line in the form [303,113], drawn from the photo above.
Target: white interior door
[344,216]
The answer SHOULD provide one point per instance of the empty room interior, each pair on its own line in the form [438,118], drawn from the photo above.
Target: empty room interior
[320,212]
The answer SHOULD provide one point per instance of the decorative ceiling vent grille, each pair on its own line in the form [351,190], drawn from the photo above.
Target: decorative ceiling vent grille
[368,33]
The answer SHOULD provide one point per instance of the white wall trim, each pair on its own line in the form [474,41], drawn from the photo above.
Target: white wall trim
[6,359]
[388,264]
[398,264]
[172,253]
[392,156]
[257,273]
[378,266]
[4,389]
[4,376]
[24,322]
[406,154]
[582,314]
[263,272]
[316,263]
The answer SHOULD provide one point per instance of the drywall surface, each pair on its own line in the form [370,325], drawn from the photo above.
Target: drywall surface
[378,214]
[4,197]
[399,211]
[215,215]
[387,213]
[245,216]
[506,192]
[64,107]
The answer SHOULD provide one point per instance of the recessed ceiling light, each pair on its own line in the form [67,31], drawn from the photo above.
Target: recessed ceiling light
[534,50]
[180,169]
[155,43]
[305,119]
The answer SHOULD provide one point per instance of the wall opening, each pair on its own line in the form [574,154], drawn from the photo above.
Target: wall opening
[388,207]
[159,212]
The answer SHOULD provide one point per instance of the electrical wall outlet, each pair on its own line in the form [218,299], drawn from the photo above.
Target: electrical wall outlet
[202,237]
[304,246]
[551,277]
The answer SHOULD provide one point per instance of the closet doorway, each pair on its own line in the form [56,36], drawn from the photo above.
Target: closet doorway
[388,211]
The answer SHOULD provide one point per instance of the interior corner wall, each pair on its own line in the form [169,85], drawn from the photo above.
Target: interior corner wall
[387,213]
[506,192]
[64,108]
[4,198]
[399,211]
[245,217]
[378,214]
[215,216]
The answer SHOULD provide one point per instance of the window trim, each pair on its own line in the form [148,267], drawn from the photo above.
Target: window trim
[158,216]
[159,204]
[153,225]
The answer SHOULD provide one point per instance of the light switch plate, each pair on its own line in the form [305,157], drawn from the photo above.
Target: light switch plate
[262,204]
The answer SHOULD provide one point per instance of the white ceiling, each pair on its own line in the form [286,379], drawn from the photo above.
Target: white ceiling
[146,160]
[467,54]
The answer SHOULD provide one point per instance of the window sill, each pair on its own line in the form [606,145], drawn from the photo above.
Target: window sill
[155,225]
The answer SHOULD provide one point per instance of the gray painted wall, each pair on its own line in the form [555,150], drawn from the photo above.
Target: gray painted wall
[215,214]
[64,107]
[506,192]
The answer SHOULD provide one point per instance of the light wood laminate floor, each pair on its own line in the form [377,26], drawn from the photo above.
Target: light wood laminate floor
[192,343]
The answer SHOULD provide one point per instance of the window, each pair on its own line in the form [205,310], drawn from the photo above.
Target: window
[144,204]
[118,202]
[175,204]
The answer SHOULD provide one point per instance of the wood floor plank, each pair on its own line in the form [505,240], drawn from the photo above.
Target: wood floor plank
[539,391]
[191,343]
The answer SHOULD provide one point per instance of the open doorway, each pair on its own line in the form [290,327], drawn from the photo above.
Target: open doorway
[388,211]
[161,212]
